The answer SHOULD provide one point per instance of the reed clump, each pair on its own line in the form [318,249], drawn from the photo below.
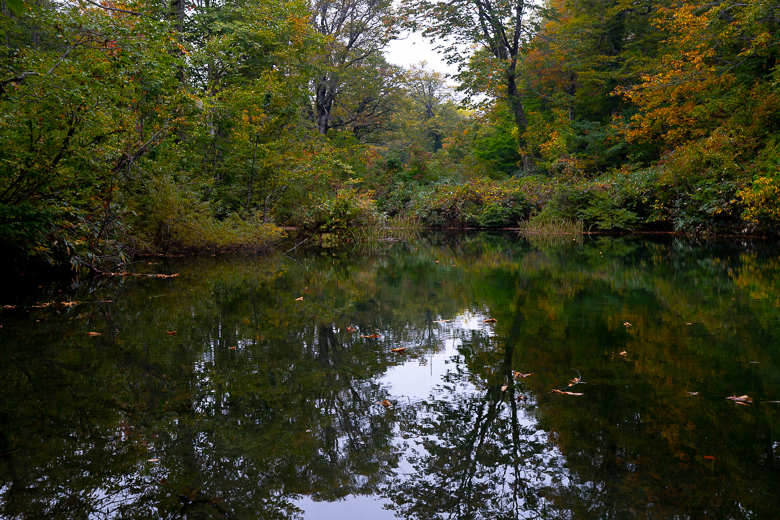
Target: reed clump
[551,226]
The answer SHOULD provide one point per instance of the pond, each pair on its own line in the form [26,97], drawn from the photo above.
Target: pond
[571,378]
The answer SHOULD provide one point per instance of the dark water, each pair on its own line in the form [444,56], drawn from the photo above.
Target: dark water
[263,405]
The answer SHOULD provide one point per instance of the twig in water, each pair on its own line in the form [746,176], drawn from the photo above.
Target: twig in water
[296,245]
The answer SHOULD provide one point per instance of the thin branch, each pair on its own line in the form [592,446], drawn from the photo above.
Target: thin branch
[115,9]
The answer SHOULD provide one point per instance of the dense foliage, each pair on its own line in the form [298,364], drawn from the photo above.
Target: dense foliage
[205,125]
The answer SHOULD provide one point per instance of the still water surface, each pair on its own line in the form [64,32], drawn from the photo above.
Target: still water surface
[253,389]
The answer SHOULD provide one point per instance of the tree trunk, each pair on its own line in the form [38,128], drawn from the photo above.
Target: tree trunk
[324,105]
[521,121]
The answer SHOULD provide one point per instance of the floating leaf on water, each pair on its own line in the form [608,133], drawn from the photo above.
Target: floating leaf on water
[299,299]
[171,332]
[693,393]
[489,320]
[624,353]
[398,350]
[503,388]
[372,336]
[442,321]
[515,375]
[710,457]
[351,329]
[93,334]
[742,399]
[386,403]
[152,460]
[566,393]
[627,324]
[10,306]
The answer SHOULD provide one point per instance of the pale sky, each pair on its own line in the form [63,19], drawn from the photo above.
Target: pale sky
[412,50]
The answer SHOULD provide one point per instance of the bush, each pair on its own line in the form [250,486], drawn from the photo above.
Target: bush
[762,202]
[347,209]
[173,217]
[480,204]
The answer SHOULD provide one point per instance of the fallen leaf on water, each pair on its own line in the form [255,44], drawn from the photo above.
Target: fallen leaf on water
[93,334]
[693,393]
[623,353]
[70,304]
[372,336]
[351,329]
[386,403]
[627,324]
[10,306]
[503,388]
[489,320]
[152,460]
[442,321]
[566,393]
[710,457]
[299,299]
[171,332]
[520,397]
[398,350]
[742,399]
[574,381]
[232,348]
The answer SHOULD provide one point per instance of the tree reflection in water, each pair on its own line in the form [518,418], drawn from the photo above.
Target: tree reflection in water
[476,449]
[261,398]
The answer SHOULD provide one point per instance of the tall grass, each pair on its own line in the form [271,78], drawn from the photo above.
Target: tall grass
[551,226]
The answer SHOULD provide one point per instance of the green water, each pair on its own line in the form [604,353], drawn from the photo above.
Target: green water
[264,405]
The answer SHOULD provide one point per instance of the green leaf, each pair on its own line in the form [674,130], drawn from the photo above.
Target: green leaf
[16,6]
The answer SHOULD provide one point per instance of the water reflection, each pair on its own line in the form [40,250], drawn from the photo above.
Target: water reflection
[244,389]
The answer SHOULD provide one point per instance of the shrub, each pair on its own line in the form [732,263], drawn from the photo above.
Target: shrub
[762,202]
[173,217]
[347,209]
[479,204]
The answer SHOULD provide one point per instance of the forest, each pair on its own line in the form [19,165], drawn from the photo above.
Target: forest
[164,126]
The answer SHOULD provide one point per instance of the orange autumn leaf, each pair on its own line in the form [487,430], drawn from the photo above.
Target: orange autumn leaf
[566,393]
[299,299]
[398,350]
[93,334]
[489,320]
[372,336]
[171,332]
[386,403]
